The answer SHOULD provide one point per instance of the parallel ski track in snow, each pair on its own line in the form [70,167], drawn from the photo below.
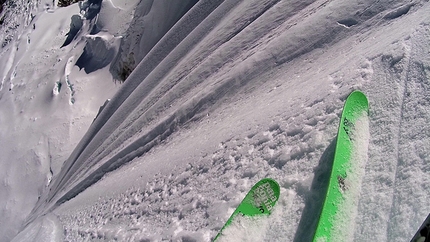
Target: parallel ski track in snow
[391,177]
[411,140]
[403,93]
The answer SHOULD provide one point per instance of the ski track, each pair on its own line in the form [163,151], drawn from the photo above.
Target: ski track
[413,141]
[389,189]
[243,74]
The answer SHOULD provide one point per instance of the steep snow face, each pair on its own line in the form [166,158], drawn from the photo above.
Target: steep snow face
[240,90]
[36,120]
[46,101]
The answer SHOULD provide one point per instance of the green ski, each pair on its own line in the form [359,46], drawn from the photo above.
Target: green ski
[345,179]
[259,201]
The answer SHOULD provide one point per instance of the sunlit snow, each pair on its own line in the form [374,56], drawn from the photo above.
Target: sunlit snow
[218,94]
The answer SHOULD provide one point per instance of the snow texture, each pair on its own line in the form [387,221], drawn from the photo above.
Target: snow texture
[217,95]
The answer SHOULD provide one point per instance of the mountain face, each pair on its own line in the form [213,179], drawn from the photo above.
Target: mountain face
[150,120]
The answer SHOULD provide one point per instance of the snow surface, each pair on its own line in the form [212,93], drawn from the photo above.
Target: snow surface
[246,229]
[220,96]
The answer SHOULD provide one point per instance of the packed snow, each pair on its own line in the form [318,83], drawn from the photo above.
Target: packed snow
[246,229]
[218,94]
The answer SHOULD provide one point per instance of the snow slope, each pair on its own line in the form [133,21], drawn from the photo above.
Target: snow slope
[233,92]
[47,102]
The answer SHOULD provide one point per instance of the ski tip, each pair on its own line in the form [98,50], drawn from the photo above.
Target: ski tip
[357,99]
[273,184]
[358,95]
[273,181]
[260,200]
